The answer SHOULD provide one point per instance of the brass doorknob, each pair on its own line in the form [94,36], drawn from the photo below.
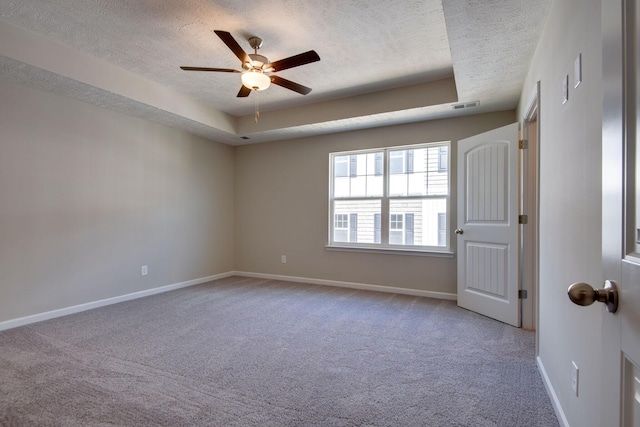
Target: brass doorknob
[459,231]
[584,294]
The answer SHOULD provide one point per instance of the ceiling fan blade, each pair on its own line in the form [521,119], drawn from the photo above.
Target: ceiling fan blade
[244,92]
[222,70]
[232,44]
[294,61]
[290,85]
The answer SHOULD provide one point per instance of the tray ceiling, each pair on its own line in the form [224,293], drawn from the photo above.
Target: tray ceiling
[382,62]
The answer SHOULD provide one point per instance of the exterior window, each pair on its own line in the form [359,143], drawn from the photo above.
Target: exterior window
[396,229]
[401,229]
[341,222]
[390,198]
[341,228]
[345,227]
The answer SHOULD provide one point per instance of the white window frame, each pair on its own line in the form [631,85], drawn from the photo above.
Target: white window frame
[385,200]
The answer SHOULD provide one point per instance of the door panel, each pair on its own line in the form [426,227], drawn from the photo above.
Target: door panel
[631,393]
[486,272]
[487,166]
[488,221]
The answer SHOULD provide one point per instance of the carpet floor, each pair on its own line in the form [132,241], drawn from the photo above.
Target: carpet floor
[250,352]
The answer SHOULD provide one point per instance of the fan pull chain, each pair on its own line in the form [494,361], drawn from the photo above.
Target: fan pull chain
[257,116]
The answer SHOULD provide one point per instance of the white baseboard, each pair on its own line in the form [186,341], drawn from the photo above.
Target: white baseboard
[352,285]
[21,321]
[555,402]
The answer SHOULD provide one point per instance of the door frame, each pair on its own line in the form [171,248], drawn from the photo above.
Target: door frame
[616,133]
[530,206]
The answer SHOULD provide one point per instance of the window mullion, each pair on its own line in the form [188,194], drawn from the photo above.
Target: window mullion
[384,203]
[384,217]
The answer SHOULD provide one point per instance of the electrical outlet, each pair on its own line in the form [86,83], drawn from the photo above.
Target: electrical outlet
[283,259]
[144,270]
[575,377]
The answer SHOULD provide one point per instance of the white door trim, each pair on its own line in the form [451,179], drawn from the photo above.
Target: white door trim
[529,195]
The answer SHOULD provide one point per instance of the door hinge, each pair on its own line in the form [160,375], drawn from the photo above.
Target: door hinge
[523,219]
[522,294]
[523,144]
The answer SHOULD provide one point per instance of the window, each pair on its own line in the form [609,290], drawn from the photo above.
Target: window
[345,227]
[342,222]
[396,229]
[401,161]
[396,197]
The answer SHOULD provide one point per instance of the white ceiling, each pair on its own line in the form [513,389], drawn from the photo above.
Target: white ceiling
[382,61]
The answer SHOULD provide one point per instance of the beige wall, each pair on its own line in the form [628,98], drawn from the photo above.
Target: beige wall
[282,207]
[570,202]
[88,196]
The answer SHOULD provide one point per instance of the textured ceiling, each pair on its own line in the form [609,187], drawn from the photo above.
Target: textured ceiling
[382,61]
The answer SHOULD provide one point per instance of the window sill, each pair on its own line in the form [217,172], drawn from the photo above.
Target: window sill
[391,251]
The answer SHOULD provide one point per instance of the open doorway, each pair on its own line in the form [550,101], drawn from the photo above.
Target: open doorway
[529,191]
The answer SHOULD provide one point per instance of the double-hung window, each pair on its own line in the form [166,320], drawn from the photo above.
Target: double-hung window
[390,198]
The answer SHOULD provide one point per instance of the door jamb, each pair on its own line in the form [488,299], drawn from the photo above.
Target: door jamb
[530,204]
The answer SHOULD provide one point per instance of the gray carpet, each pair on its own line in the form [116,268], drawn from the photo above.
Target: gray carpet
[249,352]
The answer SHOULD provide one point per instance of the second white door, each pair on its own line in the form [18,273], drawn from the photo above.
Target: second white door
[487,226]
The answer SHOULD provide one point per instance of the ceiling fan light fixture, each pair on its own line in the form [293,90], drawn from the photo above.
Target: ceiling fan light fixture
[255,80]
[256,69]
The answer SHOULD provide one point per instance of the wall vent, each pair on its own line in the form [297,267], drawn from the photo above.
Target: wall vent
[466,105]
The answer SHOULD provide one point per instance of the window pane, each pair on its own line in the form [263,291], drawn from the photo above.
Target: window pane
[417,222]
[340,165]
[418,172]
[361,220]
[355,176]
[437,173]
[396,162]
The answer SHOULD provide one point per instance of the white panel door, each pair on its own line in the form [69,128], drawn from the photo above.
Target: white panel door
[621,212]
[487,226]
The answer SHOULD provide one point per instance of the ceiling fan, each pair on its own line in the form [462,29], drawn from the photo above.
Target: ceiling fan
[256,69]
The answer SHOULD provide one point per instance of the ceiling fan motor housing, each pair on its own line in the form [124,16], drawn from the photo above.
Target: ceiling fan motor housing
[257,62]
